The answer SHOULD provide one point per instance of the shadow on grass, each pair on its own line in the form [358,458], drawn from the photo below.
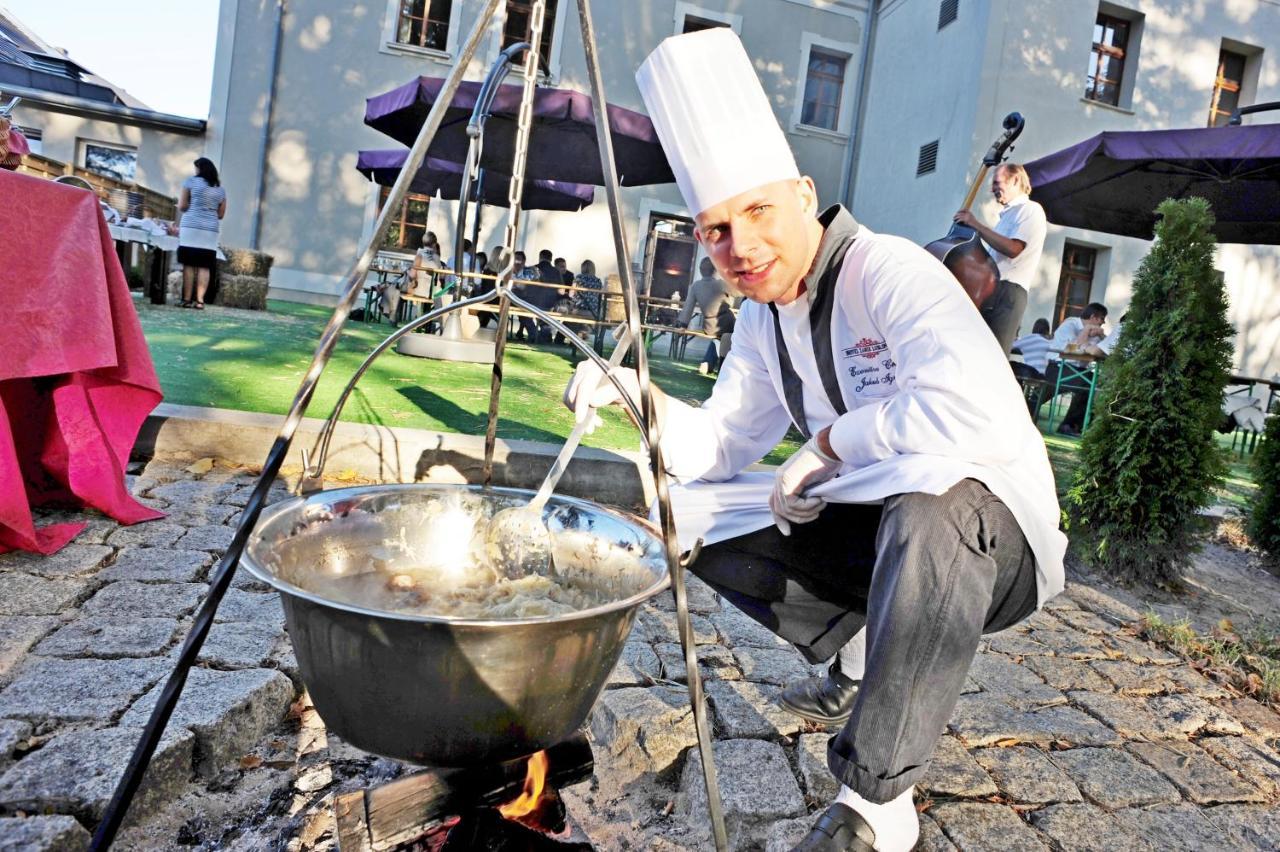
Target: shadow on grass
[458,419]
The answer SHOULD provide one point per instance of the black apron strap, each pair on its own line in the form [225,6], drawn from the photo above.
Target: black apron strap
[791,384]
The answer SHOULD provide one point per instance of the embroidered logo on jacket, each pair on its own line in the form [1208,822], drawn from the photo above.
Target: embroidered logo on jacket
[867,348]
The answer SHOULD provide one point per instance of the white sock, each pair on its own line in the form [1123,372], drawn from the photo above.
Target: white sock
[853,656]
[895,823]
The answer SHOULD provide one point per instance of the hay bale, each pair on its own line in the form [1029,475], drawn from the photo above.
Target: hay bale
[243,291]
[245,262]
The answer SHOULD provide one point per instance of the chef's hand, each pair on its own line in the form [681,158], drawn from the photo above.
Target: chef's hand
[808,467]
[588,390]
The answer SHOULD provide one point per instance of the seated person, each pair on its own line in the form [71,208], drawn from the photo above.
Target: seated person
[584,303]
[1076,334]
[1034,347]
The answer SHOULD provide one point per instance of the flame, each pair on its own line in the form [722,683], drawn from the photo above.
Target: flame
[534,780]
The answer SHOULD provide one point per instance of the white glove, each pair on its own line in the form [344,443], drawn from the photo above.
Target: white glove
[808,467]
[589,390]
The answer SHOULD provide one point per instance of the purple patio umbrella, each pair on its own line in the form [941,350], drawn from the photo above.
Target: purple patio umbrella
[1114,181]
[562,144]
[383,166]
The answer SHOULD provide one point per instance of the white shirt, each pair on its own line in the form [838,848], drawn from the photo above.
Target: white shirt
[1024,220]
[930,401]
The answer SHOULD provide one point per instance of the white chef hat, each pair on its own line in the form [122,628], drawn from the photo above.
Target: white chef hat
[713,118]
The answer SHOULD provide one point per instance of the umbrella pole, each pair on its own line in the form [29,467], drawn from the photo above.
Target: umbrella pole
[220,581]
[650,424]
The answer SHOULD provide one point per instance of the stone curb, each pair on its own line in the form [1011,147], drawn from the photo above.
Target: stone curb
[395,454]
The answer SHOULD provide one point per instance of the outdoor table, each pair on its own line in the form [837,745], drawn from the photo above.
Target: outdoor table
[76,379]
[1075,367]
[1251,382]
[160,246]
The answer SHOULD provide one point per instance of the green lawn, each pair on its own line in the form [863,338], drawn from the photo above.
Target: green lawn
[253,361]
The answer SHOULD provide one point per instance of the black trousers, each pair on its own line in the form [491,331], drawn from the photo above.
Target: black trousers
[926,575]
[1003,312]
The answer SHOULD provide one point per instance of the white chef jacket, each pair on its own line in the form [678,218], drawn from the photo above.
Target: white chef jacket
[929,396]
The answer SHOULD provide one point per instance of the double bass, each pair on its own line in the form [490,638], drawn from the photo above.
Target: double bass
[961,250]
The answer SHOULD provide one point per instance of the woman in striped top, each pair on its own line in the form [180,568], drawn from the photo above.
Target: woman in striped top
[1035,346]
[203,204]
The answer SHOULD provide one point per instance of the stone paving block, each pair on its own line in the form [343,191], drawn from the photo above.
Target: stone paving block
[1042,619]
[189,492]
[738,630]
[1256,717]
[660,626]
[75,773]
[757,787]
[1068,675]
[1017,643]
[206,514]
[931,837]
[158,533]
[1187,679]
[240,645]
[131,599]
[12,733]
[638,666]
[982,721]
[1027,775]
[229,712]
[240,605]
[42,834]
[212,539]
[1253,761]
[158,565]
[1176,828]
[715,662]
[1188,714]
[779,666]
[990,828]
[1251,826]
[1088,828]
[78,690]
[650,727]
[811,758]
[1099,602]
[746,710]
[953,772]
[1195,773]
[1086,621]
[74,560]
[25,594]
[107,638]
[1002,678]
[702,598]
[18,633]
[1129,717]
[242,579]
[1132,679]
[785,834]
[286,662]
[96,526]
[1071,644]
[1138,651]
[1113,778]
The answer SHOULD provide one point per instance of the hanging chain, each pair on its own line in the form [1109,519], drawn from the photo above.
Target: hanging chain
[524,121]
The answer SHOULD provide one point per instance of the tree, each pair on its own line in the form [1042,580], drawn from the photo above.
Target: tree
[1264,520]
[1149,459]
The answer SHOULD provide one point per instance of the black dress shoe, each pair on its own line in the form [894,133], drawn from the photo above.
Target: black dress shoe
[839,829]
[825,700]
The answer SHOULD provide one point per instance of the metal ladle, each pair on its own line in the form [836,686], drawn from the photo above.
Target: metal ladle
[517,541]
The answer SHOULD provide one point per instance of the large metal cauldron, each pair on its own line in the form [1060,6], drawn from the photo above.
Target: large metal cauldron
[435,690]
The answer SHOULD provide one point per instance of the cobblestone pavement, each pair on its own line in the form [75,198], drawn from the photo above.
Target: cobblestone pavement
[1071,734]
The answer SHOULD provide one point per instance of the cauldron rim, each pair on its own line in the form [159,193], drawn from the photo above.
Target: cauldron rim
[249,561]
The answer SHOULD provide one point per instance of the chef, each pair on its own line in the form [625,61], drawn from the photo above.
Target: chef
[920,512]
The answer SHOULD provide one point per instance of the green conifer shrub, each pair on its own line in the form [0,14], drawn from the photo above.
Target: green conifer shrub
[1264,518]
[1148,460]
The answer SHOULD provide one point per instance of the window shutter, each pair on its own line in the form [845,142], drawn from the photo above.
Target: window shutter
[948,12]
[928,161]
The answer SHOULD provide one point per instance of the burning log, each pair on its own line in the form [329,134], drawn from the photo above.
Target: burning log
[428,804]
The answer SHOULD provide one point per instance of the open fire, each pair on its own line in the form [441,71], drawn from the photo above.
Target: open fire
[534,782]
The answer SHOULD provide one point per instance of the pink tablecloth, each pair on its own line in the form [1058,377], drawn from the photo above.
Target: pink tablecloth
[76,379]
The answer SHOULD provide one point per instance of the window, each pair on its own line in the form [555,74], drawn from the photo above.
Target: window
[1226,87]
[34,136]
[693,24]
[1075,284]
[424,23]
[823,84]
[114,161]
[948,12]
[928,160]
[1106,61]
[410,223]
[518,23]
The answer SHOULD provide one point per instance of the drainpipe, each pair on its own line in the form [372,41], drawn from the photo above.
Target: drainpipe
[859,115]
[255,228]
